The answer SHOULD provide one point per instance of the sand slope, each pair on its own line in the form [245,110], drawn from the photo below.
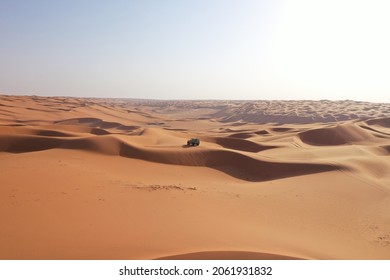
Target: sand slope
[113,179]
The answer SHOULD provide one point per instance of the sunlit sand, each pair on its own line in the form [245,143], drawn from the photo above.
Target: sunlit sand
[114,179]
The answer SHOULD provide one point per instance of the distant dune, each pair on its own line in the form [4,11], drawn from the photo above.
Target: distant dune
[86,178]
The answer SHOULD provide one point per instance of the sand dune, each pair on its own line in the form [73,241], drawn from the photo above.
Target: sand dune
[335,135]
[227,256]
[114,179]
[233,163]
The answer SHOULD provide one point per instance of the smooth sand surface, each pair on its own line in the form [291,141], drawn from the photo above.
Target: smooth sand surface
[113,179]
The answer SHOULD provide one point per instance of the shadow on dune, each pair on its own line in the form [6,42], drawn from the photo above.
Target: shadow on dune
[337,135]
[241,144]
[185,146]
[262,132]
[242,135]
[281,129]
[23,144]
[230,162]
[53,133]
[386,149]
[385,122]
[97,123]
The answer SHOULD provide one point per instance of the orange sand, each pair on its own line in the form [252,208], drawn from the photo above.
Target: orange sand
[113,179]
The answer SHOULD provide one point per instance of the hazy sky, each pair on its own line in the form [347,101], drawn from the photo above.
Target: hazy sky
[214,49]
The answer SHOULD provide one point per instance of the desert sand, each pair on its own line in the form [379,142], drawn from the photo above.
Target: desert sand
[85,178]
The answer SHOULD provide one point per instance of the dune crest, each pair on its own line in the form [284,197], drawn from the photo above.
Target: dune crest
[230,162]
[227,255]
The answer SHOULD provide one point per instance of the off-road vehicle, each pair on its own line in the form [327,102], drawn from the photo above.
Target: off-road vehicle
[193,142]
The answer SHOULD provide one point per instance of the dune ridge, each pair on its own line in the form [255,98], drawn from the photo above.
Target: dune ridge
[233,163]
[228,255]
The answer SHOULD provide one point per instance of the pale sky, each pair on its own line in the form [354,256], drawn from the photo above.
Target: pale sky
[200,49]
